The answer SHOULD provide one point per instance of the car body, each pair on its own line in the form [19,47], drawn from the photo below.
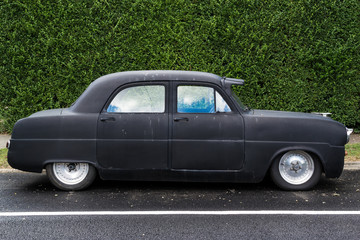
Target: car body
[175,126]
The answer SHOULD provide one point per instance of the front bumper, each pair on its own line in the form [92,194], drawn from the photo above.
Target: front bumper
[348,133]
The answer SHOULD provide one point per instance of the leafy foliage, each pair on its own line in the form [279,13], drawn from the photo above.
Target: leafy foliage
[294,55]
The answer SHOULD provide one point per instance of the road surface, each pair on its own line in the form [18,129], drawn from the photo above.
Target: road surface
[32,208]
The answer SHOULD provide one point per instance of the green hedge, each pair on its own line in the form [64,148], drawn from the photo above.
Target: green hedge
[294,55]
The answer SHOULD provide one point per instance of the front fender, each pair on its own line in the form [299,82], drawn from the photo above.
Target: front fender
[259,156]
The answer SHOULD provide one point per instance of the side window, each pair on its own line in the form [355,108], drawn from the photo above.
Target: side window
[199,99]
[139,99]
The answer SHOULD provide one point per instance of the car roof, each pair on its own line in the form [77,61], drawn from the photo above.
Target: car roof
[95,96]
[154,75]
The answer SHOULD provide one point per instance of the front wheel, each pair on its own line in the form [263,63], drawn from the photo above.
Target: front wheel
[296,170]
[71,176]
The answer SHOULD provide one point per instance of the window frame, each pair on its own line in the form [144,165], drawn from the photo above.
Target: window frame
[201,84]
[138,84]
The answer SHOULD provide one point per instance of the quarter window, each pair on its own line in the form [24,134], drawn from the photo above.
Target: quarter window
[200,99]
[139,99]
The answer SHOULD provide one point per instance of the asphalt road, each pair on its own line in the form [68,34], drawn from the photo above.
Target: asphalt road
[23,193]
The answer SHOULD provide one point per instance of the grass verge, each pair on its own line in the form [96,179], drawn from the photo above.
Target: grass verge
[353,152]
[3,158]
[352,149]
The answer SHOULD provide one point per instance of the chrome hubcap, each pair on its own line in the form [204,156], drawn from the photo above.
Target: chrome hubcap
[70,173]
[296,167]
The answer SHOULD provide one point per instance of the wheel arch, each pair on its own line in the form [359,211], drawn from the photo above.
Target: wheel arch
[50,161]
[313,152]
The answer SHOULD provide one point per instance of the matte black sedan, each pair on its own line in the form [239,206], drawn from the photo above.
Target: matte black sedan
[175,126]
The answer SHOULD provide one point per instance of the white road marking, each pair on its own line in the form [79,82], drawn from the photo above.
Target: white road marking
[145,213]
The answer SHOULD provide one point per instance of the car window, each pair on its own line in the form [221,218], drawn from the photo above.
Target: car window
[200,99]
[139,99]
[221,105]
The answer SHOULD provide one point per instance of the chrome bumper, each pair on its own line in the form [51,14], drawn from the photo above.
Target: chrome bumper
[348,132]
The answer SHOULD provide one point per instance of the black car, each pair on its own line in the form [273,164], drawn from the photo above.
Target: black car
[175,126]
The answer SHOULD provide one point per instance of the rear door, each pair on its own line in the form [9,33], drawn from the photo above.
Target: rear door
[207,132]
[133,128]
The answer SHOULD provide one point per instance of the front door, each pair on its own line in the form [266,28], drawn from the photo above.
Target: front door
[133,128]
[208,132]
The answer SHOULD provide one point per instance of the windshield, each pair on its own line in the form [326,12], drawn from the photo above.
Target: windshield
[236,97]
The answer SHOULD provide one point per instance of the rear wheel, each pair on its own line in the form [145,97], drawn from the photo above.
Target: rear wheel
[296,170]
[71,176]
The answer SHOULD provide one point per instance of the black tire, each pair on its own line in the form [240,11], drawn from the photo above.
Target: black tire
[296,170]
[71,176]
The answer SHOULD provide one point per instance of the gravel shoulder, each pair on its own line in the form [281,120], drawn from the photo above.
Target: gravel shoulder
[354,138]
[3,139]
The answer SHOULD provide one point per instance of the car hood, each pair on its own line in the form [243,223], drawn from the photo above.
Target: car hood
[48,113]
[264,125]
[282,114]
